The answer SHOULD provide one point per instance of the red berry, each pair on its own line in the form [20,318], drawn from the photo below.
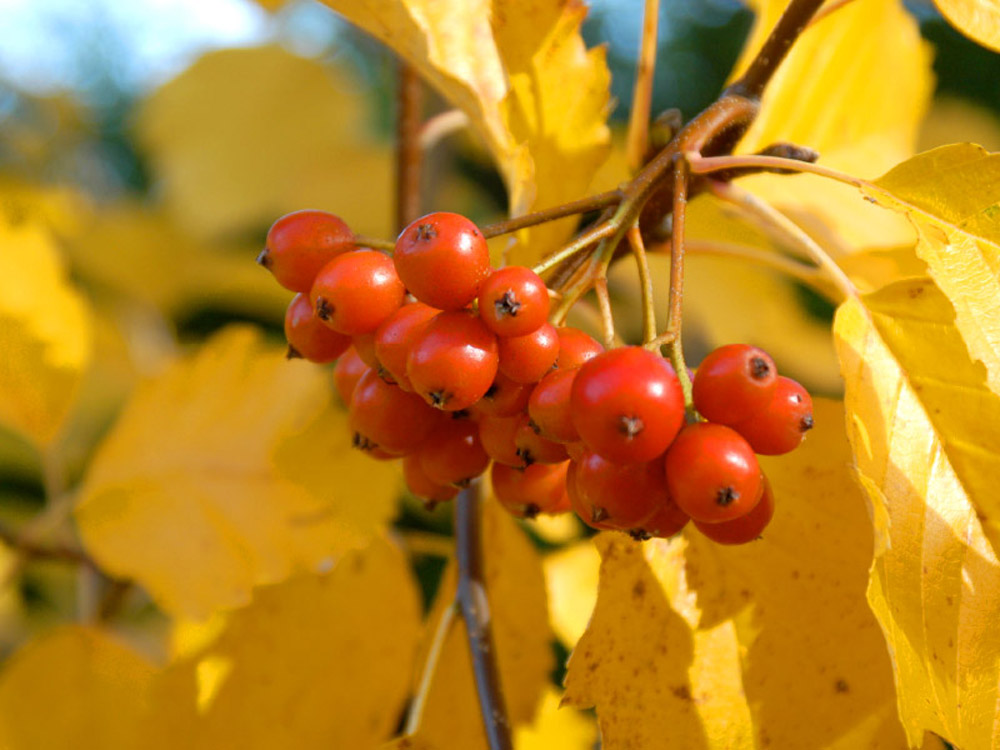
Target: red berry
[781,425]
[422,486]
[453,361]
[513,301]
[549,406]
[745,528]
[355,292]
[526,359]
[442,259]
[299,244]
[527,492]
[505,398]
[394,338]
[733,382]
[308,337]
[346,374]
[533,448]
[608,495]
[712,473]
[627,404]
[364,345]
[497,436]
[453,454]
[382,415]
[575,347]
[667,520]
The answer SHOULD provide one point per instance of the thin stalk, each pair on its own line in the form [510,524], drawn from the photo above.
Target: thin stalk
[596,234]
[376,243]
[409,154]
[475,606]
[675,304]
[637,139]
[582,206]
[435,129]
[604,305]
[635,242]
[710,164]
[441,633]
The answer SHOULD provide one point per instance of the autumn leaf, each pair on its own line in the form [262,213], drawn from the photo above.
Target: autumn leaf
[74,687]
[233,157]
[952,196]
[923,427]
[506,65]
[977,19]
[516,589]
[208,486]
[771,643]
[825,96]
[556,727]
[571,579]
[317,661]
[45,334]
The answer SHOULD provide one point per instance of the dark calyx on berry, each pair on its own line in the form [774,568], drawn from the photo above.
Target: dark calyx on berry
[294,353]
[726,496]
[439,398]
[507,305]
[599,514]
[426,232]
[759,368]
[806,423]
[324,310]
[362,443]
[264,258]
[531,510]
[640,535]
[525,455]
[630,426]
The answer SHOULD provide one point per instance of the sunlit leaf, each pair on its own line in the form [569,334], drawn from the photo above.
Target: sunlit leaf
[571,577]
[317,661]
[246,135]
[516,590]
[45,334]
[923,426]
[556,728]
[74,687]
[826,97]
[952,196]
[977,19]
[208,486]
[768,644]
[506,65]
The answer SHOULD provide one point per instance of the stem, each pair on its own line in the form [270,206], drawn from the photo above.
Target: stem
[637,140]
[646,283]
[376,243]
[32,550]
[710,164]
[604,305]
[598,233]
[792,231]
[582,206]
[674,316]
[433,657]
[439,127]
[475,607]
[791,24]
[408,151]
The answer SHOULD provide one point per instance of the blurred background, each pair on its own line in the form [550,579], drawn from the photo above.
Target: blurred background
[158,141]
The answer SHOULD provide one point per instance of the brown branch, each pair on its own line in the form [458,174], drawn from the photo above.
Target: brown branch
[409,153]
[475,608]
[582,206]
[637,139]
[34,550]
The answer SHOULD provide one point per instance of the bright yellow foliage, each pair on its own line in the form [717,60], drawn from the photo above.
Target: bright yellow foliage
[924,429]
[210,482]
[571,579]
[977,19]
[45,334]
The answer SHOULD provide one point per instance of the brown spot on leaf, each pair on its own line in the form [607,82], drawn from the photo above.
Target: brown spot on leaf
[841,686]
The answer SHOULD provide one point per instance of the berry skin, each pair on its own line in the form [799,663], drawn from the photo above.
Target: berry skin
[497,436]
[733,382]
[526,359]
[442,259]
[712,473]
[527,492]
[783,423]
[665,522]
[364,345]
[575,347]
[549,406]
[382,415]
[513,301]
[355,292]
[745,528]
[608,495]
[627,404]
[346,374]
[453,454]
[308,337]
[299,244]
[453,361]
[505,398]
[423,487]
[533,448]
[394,338]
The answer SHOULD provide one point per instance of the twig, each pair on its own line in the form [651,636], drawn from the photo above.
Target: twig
[439,127]
[637,139]
[582,206]
[408,151]
[604,305]
[635,242]
[32,550]
[475,608]
[376,243]
[430,665]
[711,164]
[674,308]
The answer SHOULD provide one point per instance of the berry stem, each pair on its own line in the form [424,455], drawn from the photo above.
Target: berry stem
[583,241]
[441,633]
[604,305]
[437,128]
[582,206]
[635,242]
[474,604]
[675,348]
[409,154]
[375,243]
[709,164]
[637,139]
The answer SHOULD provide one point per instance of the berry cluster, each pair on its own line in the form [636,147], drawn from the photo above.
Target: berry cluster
[450,365]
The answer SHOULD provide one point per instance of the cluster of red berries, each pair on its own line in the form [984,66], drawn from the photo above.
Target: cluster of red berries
[450,365]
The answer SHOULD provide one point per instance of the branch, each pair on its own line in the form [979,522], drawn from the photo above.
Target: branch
[408,149]
[637,140]
[475,608]
[33,550]
[582,206]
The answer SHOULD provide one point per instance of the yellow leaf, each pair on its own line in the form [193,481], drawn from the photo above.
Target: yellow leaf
[318,661]
[194,496]
[952,196]
[571,577]
[923,426]
[74,688]
[873,269]
[45,334]
[816,99]
[234,157]
[556,728]
[977,19]
[767,644]
[516,590]
[506,64]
